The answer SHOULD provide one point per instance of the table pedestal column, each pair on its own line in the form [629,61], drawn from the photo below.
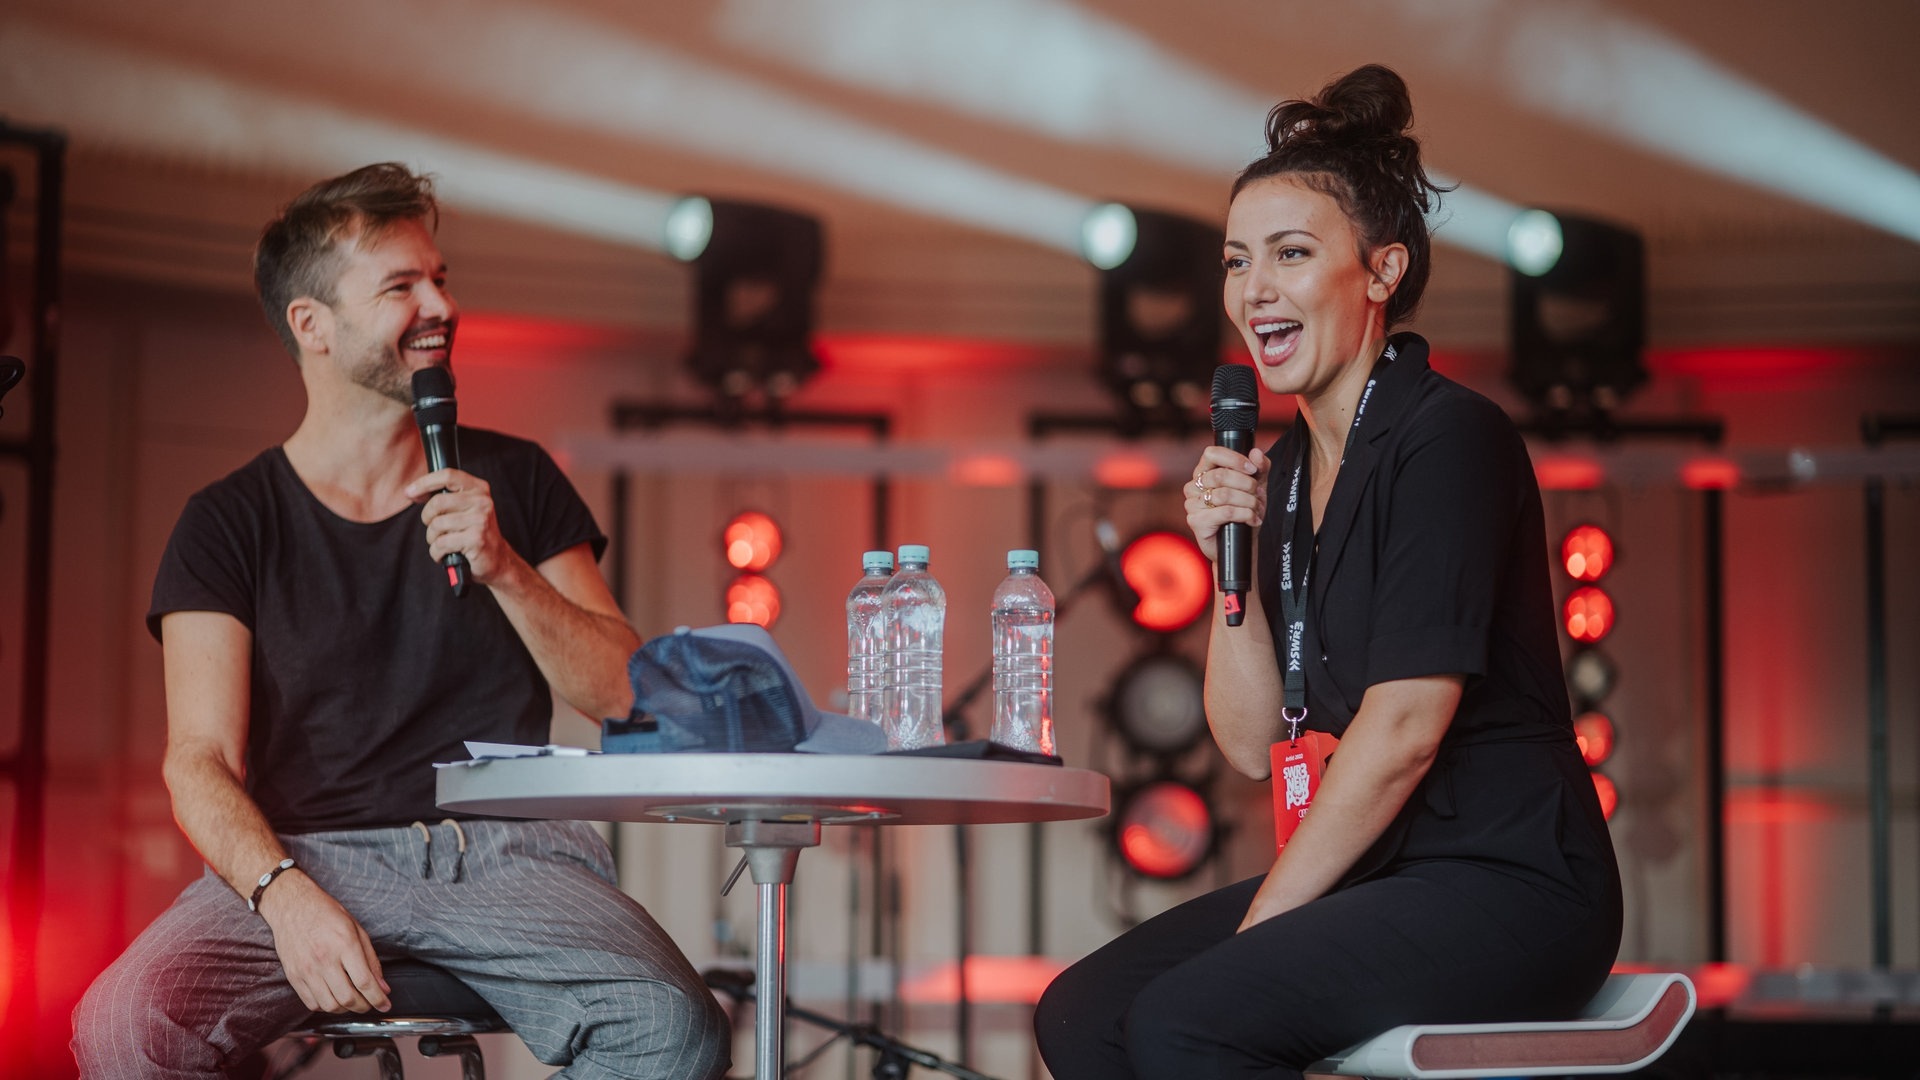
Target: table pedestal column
[773,850]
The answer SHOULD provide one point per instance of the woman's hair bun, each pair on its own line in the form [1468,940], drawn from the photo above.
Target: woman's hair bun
[1366,103]
[1353,141]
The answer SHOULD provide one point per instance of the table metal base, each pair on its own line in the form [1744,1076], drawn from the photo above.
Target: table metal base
[772,849]
[773,806]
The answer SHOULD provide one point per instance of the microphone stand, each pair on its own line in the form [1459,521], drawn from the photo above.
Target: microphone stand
[896,1058]
[953,718]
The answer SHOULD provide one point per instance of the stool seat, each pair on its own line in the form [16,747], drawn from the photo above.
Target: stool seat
[427,1000]
[1632,1021]
[429,1003]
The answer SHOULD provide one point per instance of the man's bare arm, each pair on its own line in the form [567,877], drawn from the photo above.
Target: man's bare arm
[562,609]
[328,959]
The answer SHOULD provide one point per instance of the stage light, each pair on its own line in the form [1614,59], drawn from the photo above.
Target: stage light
[1171,577]
[1159,308]
[754,280]
[1586,552]
[1158,705]
[1164,830]
[1609,795]
[1534,242]
[1593,731]
[1588,615]
[689,227]
[1590,676]
[1107,235]
[752,541]
[1578,321]
[753,599]
[1586,555]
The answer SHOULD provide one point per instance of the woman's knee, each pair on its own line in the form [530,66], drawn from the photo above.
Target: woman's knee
[1076,1022]
[1175,1026]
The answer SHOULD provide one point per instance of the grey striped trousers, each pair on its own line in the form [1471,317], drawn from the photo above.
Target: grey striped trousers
[533,923]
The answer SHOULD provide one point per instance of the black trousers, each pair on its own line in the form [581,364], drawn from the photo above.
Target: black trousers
[1440,941]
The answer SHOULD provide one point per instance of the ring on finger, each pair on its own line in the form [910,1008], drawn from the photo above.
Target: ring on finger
[1206,497]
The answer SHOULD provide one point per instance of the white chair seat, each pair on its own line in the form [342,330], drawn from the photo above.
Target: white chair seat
[1632,1021]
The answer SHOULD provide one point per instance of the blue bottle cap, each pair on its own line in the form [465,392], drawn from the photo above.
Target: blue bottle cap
[915,553]
[1023,559]
[877,562]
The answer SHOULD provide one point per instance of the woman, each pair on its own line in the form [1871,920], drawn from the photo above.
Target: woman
[1454,865]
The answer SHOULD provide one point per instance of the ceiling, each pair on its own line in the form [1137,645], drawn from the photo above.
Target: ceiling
[1767,149]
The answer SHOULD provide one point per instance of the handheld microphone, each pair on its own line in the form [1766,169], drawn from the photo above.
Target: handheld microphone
[435,411]
[1108,538]
[1235,412]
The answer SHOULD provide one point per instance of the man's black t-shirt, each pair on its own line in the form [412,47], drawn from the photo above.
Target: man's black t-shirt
[366,668]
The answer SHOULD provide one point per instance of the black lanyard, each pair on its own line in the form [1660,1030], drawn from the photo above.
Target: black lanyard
[1293,599]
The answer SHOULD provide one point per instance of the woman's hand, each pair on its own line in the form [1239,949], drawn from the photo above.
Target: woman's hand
[1226,487]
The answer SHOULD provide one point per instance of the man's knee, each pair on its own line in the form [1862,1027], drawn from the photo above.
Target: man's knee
[662,1029]
[121,1028]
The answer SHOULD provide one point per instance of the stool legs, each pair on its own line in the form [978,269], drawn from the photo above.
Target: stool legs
[460,1046]
[386,1053]
[380,1049]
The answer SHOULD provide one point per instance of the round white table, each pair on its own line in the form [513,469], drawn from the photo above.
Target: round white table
[773,806]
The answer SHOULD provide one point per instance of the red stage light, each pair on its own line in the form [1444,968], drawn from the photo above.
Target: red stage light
[1165,830]
[1172,578]
[753,599]
[1126,469]
[987,470]
[1567,473]
[1594,732]
[752,541]
[1587,552]
[1710,474]
[1609,795]
[1589,614]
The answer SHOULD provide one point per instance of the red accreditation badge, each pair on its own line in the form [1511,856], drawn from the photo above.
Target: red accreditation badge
[1297,767]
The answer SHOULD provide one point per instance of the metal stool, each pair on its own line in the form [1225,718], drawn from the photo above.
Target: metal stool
[428,1003]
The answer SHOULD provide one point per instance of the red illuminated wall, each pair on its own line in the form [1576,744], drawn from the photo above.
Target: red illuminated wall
[168,389]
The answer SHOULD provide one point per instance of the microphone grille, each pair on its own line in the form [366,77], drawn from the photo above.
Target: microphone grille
[1236,398]
[433,401]
[437,381]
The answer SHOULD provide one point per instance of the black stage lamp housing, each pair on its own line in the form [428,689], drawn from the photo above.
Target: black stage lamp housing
[1159,305]
[1158,705]
[755,271]
[1579,311]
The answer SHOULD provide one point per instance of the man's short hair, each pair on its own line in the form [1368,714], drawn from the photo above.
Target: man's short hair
[300,254]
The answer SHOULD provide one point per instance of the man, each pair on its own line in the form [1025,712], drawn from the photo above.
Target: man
[317,664]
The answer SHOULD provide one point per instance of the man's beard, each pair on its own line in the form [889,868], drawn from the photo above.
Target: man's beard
[380,369]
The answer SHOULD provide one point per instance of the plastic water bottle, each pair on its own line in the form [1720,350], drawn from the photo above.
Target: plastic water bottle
[915,608]
[867,639]
[1023,657]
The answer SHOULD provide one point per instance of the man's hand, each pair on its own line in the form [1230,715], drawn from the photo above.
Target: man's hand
[459,517]
[327,956]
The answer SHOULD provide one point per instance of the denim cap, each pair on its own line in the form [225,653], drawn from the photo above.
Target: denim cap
[729,689]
